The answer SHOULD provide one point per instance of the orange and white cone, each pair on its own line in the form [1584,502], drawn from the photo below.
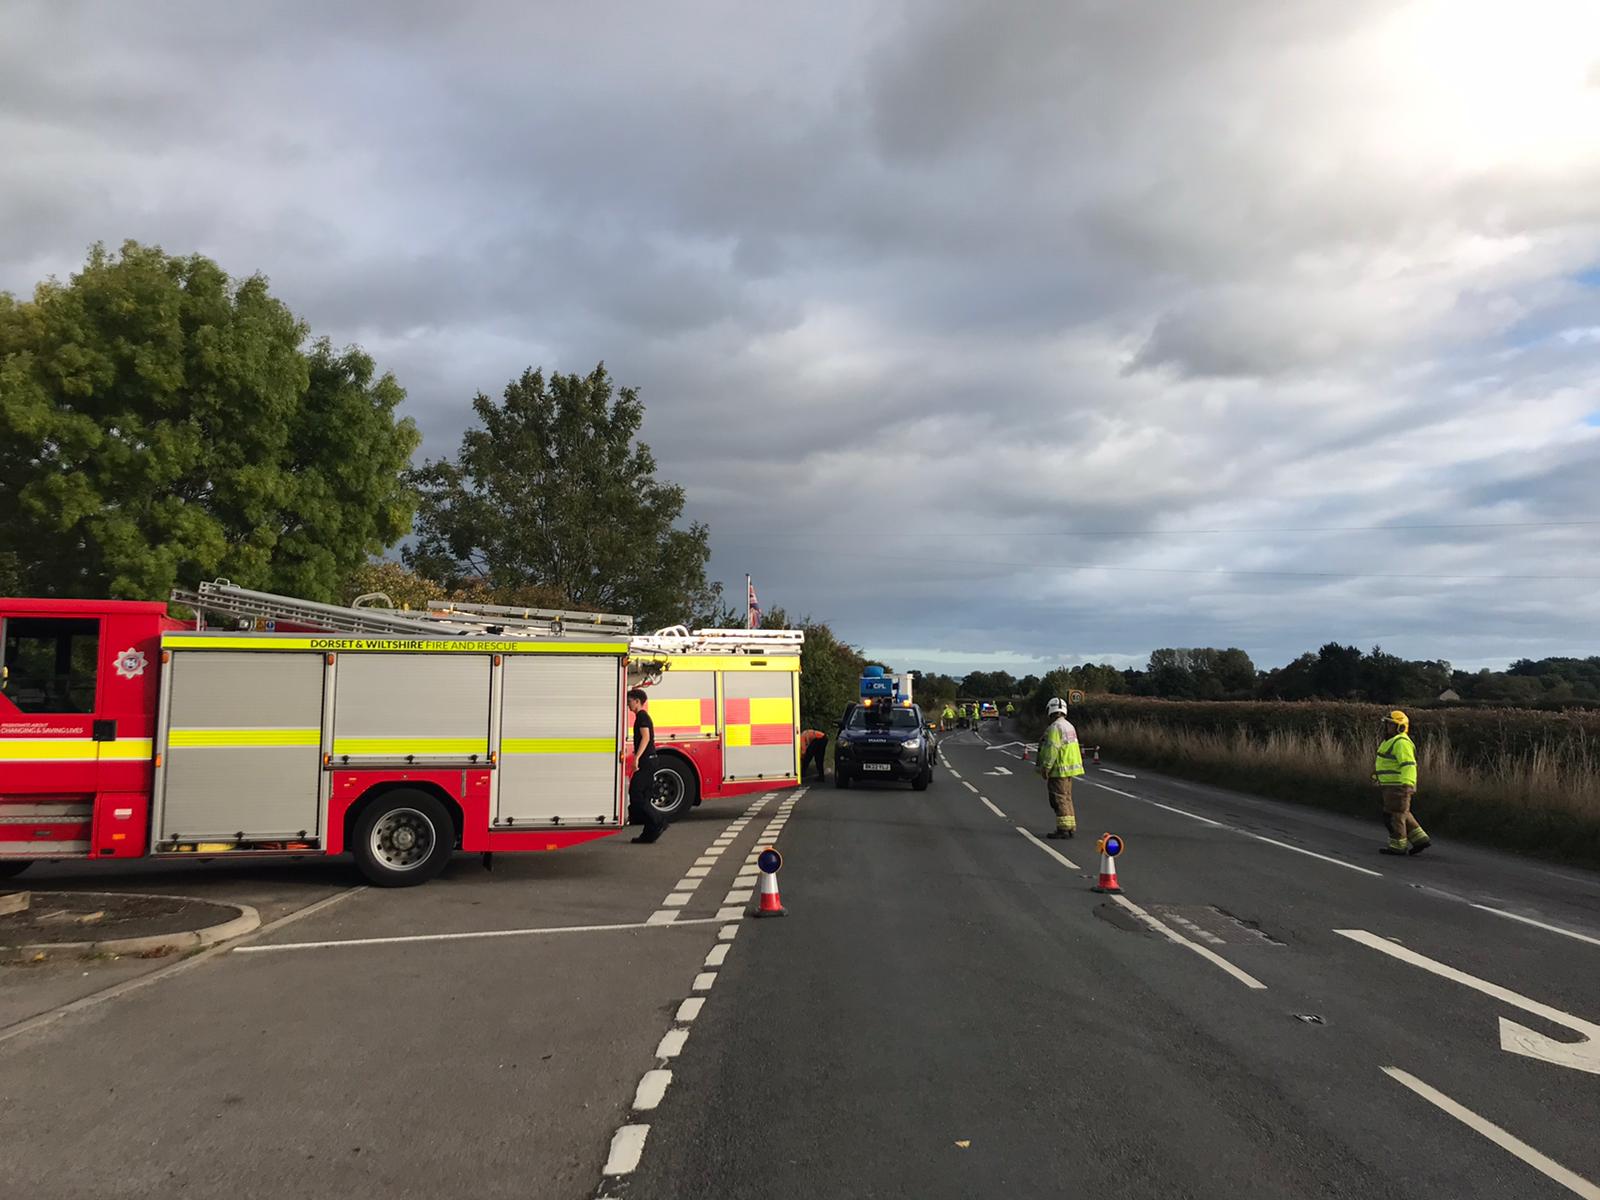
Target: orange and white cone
[1097,756]
[1110,847]
[771,904]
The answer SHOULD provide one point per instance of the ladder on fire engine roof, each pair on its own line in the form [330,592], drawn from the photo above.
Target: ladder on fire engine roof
[675,639]
[223,599]
[513,619]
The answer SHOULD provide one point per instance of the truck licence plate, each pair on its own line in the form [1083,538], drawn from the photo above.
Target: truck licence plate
[876,767]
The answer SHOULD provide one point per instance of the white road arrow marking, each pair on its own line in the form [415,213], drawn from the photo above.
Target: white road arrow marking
[998,771]
[1518,1039]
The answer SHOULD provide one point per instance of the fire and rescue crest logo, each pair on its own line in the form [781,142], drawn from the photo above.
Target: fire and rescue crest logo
[131,663]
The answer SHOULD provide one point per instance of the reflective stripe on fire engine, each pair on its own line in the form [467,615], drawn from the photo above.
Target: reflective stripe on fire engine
[725,662]
[598,745]
[201,641]
[72,749]
[684,716]
[399,747]
[235,739]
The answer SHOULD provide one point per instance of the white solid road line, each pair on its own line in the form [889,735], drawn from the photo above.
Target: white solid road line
[651,1089]
[1548,1167]
[467,937]
[992,808]
[1211,956]
[1050,850]
[1182,812]
[1517,1039]
[1119,774]
[1511,916]
[627,1147]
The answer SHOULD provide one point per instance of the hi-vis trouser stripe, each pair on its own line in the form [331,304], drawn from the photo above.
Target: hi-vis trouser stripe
[73,749]
[400,747]
[599,745]
[241,739]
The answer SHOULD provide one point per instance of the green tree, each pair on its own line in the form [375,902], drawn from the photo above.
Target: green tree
[161,423]
[553,490]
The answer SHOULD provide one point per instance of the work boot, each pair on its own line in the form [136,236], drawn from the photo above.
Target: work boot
[1059,834]
[1419,844]
[645,839]
[1393,847]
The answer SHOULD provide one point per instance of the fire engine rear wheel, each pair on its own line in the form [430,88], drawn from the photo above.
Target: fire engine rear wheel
[674,791]
[403,838]
[14,867]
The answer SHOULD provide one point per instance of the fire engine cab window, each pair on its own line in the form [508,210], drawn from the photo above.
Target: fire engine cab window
[50,664]
[877,718]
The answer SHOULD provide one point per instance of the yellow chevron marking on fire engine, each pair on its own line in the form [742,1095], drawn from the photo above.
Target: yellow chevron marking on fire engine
[238,739]
[73,749]
[598,745]
[727,662]
[341,645]
[399,747]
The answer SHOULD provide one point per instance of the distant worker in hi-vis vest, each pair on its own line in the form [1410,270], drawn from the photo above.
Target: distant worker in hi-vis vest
[947,719]
[1395,771]
[1060,762]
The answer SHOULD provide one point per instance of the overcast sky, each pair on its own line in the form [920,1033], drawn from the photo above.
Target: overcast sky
[995,335]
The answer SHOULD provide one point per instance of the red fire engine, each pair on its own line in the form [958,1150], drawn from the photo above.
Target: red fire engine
[307,729]
[725,704]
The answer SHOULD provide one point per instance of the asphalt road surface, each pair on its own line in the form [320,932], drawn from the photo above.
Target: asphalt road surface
[950,1010]
[1271,1009]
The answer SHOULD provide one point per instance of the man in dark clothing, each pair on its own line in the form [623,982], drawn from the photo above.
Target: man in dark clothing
[643,783]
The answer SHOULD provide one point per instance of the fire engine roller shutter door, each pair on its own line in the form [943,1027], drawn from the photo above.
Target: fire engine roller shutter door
[559,717]
[683,704]
[243,746]
[433,708]
[758,732]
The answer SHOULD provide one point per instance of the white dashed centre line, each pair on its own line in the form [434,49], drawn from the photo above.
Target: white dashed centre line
[991,806]
[672,1043]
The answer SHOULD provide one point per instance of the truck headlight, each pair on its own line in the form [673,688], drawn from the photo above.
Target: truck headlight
[912,746]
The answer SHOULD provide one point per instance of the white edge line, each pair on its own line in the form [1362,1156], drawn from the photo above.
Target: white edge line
[1511,916]
[991,806]
[1050,850]
[1338,862]
[1211,956]
[463,937]
[627,1147]
[132,985]
[652,1090]
[1545,1165]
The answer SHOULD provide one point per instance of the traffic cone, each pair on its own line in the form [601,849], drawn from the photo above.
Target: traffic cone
[1108,880]
[1097,756]
[771,903]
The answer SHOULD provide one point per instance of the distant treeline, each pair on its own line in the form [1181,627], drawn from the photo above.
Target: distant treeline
[1334,672]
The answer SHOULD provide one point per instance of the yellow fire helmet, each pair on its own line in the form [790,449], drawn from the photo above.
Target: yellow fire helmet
[1399,718]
